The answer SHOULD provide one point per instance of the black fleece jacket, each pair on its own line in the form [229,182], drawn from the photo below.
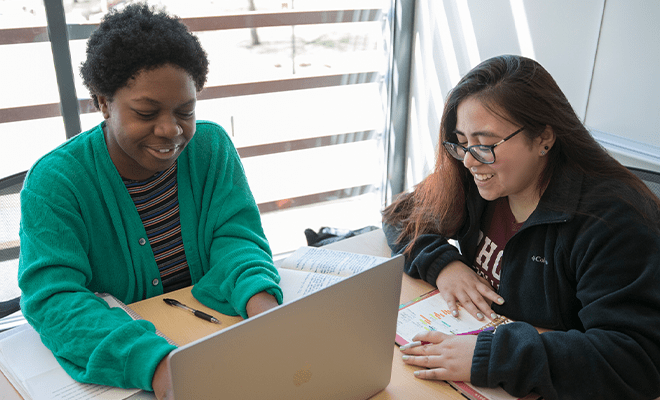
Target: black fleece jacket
[591,273]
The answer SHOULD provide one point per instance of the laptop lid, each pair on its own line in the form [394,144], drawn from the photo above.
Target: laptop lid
[336,343]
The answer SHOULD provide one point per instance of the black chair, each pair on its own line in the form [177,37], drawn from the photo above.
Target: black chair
[651,178]
[10,215]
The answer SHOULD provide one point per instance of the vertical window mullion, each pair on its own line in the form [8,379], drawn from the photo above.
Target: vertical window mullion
[402,44]
[59,42]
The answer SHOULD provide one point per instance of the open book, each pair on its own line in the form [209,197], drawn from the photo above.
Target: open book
[310,269]
[430,312]
[35,373]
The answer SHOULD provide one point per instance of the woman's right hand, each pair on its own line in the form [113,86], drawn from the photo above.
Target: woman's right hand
[458,283]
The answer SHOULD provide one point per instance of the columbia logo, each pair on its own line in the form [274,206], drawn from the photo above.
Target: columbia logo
[538,259]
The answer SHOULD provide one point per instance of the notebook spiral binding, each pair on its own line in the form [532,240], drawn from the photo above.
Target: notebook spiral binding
[501,320]
[115,302]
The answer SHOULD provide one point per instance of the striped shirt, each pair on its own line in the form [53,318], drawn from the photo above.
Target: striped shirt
[157,202]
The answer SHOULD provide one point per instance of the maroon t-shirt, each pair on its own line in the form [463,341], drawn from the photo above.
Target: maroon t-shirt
[498,225]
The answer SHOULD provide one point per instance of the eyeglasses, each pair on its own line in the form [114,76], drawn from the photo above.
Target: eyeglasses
[485,154]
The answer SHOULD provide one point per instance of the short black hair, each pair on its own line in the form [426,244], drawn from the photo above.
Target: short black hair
[136,38]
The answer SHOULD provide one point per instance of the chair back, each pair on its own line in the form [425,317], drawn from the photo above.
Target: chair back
[651,178]
[10,216]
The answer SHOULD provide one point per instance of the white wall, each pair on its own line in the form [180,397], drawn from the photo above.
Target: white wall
[613,41]
[624,101]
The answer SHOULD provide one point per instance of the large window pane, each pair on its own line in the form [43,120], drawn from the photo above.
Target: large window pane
[301,86]
[28,85]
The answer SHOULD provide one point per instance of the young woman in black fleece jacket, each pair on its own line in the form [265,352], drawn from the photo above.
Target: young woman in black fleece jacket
[553,233]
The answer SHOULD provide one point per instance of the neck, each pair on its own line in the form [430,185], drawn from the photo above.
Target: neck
[523,207]
[524,203]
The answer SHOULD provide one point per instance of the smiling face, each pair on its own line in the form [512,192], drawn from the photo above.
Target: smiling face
[150,121]
[518,162]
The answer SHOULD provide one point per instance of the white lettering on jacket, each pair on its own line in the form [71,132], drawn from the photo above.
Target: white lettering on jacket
[486,253]
[538,259]
[496,267]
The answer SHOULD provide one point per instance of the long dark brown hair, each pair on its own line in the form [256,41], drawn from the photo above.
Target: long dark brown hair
[520,90]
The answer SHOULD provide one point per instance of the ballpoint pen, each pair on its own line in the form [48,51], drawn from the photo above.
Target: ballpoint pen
[196,313]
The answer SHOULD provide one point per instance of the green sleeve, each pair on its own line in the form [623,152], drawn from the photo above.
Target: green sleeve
[240,260]
[93,343]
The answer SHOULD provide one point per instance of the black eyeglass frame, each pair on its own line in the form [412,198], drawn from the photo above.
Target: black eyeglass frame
[452,147]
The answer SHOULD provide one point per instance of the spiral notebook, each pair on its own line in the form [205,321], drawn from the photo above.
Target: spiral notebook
[430,312]
[115,302]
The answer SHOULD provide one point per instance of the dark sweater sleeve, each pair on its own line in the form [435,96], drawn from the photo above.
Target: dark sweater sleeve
[428,256]
[614,262]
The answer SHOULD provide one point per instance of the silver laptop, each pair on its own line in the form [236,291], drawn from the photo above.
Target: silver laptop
[336,343]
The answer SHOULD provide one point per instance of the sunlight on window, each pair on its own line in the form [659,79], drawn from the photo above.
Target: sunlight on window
[421,146]
[301,86]
[522,28]
[447,45]
[469,36]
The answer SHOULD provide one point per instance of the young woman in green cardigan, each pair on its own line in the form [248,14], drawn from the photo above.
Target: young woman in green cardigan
[149,201]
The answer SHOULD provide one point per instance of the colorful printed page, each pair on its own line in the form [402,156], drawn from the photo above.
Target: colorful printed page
[430,312]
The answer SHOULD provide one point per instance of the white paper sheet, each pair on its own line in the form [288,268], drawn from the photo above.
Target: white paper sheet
[36,374]
[310,269]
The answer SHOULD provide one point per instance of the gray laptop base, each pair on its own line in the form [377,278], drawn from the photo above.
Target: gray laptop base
[336,343]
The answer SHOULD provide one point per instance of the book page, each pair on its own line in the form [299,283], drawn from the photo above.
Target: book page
[296,284]
[310,269]
[326,261]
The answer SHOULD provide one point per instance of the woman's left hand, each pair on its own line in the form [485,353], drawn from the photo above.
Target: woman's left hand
[447,357]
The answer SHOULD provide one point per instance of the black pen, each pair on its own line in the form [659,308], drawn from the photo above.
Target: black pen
[196,313]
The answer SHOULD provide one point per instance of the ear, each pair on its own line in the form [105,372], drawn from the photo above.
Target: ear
[546,140]
[104,106]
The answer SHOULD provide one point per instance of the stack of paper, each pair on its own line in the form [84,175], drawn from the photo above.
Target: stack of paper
[35,373]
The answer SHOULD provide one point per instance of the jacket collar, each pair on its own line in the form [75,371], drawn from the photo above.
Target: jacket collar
[558,204]
[560,200]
